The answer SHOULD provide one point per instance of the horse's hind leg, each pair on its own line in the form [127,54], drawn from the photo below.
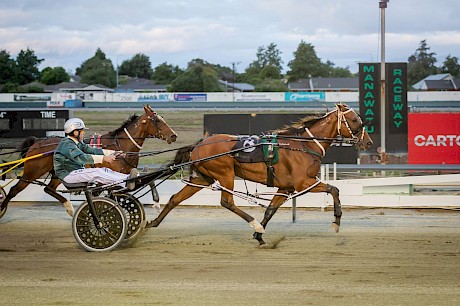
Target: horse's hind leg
[227,201]
[51,190]
[20,186]
[275,203]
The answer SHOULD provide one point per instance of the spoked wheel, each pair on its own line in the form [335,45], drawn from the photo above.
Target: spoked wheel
[134,211]
[2,197]
[105,236]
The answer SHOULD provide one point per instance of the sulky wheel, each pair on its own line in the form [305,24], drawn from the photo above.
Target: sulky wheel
[110,231]
[2,197]
[134,211]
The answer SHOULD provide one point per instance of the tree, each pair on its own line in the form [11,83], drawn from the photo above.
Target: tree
[268,56]
[305,63]
[138,66]
[52,76]
[199,77]
[27,67]
[451,66]
[7,68]
[166,73]
[98,70]
[421,64]
[271,85]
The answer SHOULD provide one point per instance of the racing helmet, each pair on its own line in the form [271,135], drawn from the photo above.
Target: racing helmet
[73,124]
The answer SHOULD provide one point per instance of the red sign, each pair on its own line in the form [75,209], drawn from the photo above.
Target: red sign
[434,138]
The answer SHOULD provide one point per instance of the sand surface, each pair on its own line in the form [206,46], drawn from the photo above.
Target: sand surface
[206,256]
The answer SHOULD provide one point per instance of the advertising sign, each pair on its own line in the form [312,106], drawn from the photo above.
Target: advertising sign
[304,96]
[434,138]
[395,104]
[190,97]
[369,99]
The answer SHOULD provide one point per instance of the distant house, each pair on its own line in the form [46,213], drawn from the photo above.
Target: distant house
[139,85]
[325,84]
[438,82]
[237,87]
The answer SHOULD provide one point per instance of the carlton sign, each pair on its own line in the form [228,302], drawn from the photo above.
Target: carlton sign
[434,138]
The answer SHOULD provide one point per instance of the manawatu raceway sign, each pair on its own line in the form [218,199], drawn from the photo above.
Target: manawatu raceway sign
[434,138]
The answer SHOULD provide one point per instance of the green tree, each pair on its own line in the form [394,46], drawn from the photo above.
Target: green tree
[329,70]
[7,68]
[52,76]
[199,77]
[421,64]
[98,70]
[27,67]
[268,56]
[271,85]
[305,63]
[166,73]
[138,66]
[451,66]
[10,87]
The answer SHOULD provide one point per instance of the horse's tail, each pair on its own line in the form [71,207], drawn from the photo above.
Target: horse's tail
[27,143]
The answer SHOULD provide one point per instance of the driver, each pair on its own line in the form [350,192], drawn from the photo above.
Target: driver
[72,155]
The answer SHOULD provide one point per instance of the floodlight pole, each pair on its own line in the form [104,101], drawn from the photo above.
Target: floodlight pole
[382,6]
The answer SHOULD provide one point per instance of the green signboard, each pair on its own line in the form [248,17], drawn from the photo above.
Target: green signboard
[395,106]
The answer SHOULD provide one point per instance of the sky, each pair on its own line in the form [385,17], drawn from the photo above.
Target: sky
[226,32]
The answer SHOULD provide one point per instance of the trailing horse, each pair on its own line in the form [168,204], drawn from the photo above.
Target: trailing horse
[128,138]
[300,149]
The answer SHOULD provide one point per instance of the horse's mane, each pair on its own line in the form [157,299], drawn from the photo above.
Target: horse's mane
[298,126]
[124,125]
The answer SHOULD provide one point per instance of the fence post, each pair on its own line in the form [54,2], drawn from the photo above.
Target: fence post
[294,209]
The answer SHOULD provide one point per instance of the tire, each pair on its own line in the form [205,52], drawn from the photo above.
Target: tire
[113,225]
[2,197]
[134,212]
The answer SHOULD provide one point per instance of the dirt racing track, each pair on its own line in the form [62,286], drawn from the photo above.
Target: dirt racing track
[206,256]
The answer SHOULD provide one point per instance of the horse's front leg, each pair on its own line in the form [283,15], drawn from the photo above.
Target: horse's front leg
[275,203]
[334,192]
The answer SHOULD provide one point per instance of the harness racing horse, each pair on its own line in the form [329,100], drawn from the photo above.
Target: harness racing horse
[127,138]
[301,147]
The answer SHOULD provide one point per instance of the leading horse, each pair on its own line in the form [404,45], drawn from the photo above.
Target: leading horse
[127,138]
[302,146]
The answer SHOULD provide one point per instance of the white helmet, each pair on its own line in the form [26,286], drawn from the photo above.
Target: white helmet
[73,124]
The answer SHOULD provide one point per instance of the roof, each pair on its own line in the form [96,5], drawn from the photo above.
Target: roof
[140,85]
[325,84]
[442,81]
[241,87]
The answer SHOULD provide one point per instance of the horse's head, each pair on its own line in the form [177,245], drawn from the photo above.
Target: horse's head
[157,126]
[351,125]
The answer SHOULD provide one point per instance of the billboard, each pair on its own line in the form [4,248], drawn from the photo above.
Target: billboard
[39,123]
[434,138]
[395,104]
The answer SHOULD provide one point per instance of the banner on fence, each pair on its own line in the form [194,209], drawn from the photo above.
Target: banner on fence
[434,138]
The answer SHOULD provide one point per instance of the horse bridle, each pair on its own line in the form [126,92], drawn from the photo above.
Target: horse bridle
[341,118]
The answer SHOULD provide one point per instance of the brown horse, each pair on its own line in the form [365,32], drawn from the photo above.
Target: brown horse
[299,159]
[127,138]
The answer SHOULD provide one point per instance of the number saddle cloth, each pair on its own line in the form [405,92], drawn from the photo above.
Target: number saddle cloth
[258,149]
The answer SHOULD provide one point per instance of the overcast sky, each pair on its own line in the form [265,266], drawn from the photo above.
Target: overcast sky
[66,33]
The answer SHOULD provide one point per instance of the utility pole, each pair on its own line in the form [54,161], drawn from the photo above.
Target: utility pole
[233,78]
[382,6]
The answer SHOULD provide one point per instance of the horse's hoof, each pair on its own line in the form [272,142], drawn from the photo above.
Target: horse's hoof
[258,237]
[336,227]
